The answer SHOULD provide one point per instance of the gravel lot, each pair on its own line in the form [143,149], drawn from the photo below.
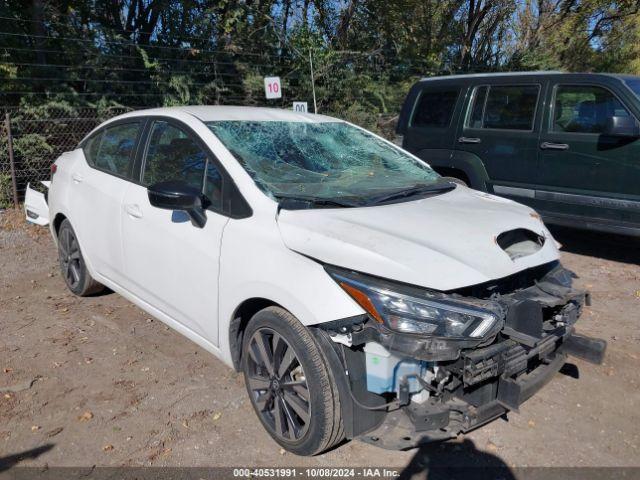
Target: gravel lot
[98,382]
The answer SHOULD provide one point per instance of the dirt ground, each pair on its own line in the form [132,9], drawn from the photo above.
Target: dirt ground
[95,381]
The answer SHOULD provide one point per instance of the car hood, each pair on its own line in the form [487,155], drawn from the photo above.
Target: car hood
[442,242]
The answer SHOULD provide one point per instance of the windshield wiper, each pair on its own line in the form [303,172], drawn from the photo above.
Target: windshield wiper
[299,202]
[412,191]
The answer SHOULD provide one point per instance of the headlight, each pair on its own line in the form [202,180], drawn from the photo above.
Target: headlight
[413,310]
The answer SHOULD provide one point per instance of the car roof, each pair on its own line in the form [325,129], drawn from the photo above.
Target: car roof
[212,113]
[522,74]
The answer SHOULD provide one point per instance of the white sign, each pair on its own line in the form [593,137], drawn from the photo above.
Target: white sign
[272,88]
[300,107]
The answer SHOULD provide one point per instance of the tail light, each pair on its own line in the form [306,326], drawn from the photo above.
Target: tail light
[54,169]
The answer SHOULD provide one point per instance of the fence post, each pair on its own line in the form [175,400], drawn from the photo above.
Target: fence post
[14,183]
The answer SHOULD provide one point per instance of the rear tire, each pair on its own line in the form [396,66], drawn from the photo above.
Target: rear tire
[72,265]
[290,385]
[458,180]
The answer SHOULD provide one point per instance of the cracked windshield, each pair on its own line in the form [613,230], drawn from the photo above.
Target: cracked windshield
[321,160]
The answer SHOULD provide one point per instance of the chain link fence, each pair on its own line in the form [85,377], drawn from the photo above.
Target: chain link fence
[33,138]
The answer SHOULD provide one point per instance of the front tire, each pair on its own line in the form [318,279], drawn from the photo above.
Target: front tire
[72,265]
[290,384]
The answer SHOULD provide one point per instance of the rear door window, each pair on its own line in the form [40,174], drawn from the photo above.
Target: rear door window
[505,107]
[435,108]
[113,150]
[91,148]
[584,109]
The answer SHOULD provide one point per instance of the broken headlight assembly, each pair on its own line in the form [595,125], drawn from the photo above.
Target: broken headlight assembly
[407,309]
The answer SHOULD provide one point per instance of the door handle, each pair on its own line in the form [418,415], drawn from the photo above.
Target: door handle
[133,211]
[77,178]
[469,140]
[554,146]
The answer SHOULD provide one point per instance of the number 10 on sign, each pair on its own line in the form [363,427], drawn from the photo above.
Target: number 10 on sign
[272,88]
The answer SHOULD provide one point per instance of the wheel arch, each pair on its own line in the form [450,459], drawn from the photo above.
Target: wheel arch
[239,321]
[57,221]
[468,163]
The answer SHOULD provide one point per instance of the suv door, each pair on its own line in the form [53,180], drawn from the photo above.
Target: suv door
[501,127]
[584,172]
[171,264]
[97,188]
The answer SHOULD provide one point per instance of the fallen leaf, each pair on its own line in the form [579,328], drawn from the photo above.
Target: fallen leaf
[8,370]
[216,416]
[185,424]
[35,428]
[492,447]
[531,423]
[282,451]
[107,448]
[54,432]
[86,416]
[6,395]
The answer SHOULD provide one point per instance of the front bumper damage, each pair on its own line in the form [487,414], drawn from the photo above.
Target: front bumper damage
[472,384]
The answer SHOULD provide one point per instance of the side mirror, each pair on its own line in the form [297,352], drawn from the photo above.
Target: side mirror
[176,195]
[622,127]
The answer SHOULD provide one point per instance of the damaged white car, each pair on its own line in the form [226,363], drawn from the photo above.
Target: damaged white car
[362,295]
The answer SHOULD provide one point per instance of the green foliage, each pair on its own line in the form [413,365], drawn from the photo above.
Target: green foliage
[31,150]
[6,191]
[366,53]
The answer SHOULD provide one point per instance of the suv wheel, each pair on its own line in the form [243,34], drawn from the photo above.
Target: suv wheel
[289,383]
[72,265]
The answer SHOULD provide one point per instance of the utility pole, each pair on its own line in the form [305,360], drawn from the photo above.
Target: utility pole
[313,84]
[14,183]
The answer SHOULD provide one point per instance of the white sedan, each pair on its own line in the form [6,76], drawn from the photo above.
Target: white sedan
[361,294]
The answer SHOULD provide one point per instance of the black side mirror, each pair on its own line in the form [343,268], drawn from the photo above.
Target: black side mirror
[622,127]
[176,195]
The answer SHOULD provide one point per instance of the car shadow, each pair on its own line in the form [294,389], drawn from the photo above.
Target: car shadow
[570,370]
[618,248]
[11,460]
[455,460]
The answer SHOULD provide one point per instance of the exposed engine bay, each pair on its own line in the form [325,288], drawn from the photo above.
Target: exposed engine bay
[407,388]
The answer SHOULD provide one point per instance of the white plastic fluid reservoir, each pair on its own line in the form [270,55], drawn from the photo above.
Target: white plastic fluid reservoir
[380,364]
[384,370]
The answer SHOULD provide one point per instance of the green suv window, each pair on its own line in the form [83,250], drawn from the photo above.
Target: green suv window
[435,108]
[504,107]
[585,109]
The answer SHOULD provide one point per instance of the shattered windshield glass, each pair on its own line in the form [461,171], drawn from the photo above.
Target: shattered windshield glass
[320,160]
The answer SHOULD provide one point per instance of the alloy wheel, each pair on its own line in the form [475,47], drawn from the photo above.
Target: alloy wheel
[69,253]
[278,385]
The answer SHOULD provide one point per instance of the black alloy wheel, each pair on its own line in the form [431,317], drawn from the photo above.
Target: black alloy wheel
[279,386]
[291,387]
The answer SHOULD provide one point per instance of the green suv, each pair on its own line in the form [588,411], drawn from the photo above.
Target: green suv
[566,144]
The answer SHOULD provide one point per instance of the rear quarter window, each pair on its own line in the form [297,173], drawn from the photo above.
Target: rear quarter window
[435,108]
